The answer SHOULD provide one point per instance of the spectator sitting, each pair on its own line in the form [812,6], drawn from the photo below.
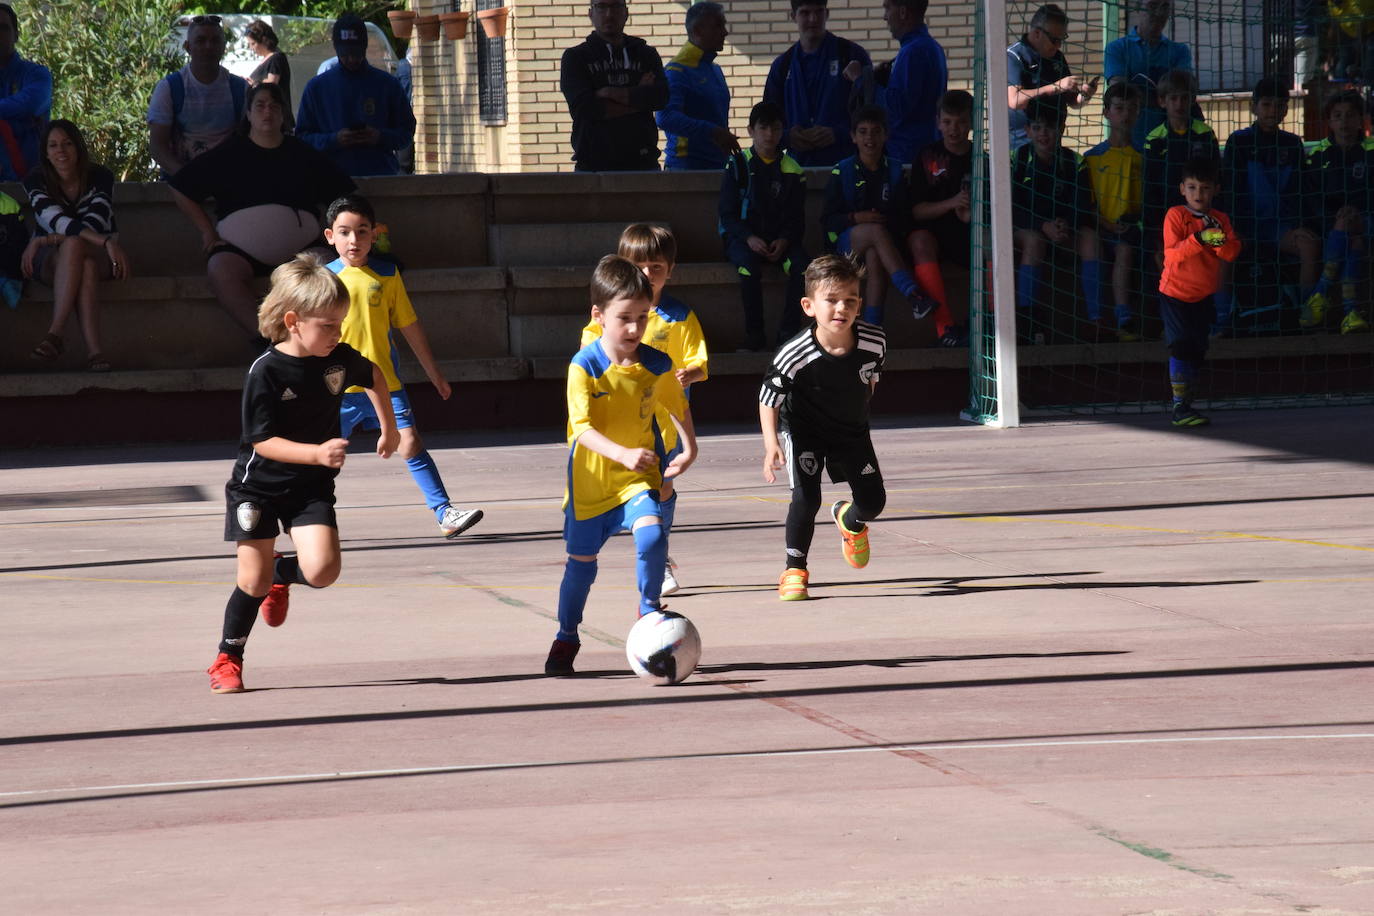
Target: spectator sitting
[1262,190]
[1142,58]
[696,120]
[75,246]
[812,82]
[913,82]
[25,101]
[1052,204]
[762,219]
[197,108]
[941,207]
[1116,170]
[1180,138]
[268,190]
[1036,68]
[866,212]
[275,68]
[354,113]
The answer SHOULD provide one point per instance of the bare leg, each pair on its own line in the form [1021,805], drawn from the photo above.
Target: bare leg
[1304,243]
[231,279]
[317,550]
[88,305]
[67,280]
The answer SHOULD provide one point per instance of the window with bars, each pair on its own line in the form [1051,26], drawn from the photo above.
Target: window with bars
[491,72]
[1235,43]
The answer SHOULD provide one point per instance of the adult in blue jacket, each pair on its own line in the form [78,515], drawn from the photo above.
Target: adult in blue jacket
[812,83]
[910,85]
[1144,56]
[354,113]
[696,120]
[25,102]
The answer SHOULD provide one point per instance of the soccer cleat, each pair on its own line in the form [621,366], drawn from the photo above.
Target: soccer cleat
[454,522]
[921,304]
[1185,415]
[855,543]
[1313,311]
[560,660]
[226,674]
[1354,323]
[670,583]
[1128,332]
[792,585]
[275,605]
[956,335]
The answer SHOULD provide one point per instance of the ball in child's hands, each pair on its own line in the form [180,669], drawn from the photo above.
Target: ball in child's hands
[1214,237]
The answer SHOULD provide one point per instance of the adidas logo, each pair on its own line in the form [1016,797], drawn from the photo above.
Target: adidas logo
[868,469]
[288,395]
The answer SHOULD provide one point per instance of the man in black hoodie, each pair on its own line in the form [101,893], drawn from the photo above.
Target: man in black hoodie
[613,83]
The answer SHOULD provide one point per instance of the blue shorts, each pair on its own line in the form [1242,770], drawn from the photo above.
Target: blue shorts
[842,245]
[357,412]
[586,538]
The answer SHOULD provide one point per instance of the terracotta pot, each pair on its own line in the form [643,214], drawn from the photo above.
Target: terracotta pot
[427,27]
[493,21]
[455,25]
[402,22]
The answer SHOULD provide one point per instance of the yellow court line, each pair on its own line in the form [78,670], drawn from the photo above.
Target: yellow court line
[18,575]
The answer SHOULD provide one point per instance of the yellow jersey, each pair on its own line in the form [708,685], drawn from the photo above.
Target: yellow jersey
[377,302]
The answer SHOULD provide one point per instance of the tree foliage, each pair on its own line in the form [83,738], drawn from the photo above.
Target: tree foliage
[106,56]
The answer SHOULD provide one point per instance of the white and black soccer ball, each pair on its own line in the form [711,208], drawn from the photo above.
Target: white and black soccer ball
[663,647]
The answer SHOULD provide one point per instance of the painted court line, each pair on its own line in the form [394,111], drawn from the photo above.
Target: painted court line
[287,779]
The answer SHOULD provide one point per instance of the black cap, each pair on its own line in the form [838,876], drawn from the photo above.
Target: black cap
[350,35]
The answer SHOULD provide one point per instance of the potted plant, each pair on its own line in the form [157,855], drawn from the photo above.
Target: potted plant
[493,21]
[402,22]
[427,27]
[455,25]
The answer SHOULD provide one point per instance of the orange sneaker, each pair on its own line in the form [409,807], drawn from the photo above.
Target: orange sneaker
[855,545]
[226,674]
[275,605]
[792,585]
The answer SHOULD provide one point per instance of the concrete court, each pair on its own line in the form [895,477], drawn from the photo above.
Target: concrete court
[1095,667]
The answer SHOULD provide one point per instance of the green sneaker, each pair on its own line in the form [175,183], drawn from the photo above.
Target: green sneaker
[1313,311]
[1354,323]
[853,544]
[1185,415]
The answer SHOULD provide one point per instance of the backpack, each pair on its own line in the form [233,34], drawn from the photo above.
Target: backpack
[238,91]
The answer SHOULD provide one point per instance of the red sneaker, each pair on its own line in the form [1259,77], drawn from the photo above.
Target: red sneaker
[274,606]
[226,674]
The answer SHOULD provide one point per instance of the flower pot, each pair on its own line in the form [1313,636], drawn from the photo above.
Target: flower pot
[455,25]
[402,22]
[493,21]
[427,27]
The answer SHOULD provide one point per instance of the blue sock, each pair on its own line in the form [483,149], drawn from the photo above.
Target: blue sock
[1027,278]
[1182,374]
[651,554]
[1124,316]
[1092,289]
[578,576]
[426,475]
[905,282]
[1223,302]
[873,314]
[666,509]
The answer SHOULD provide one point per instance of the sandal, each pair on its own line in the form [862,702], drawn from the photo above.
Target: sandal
[48,349]
[97,362]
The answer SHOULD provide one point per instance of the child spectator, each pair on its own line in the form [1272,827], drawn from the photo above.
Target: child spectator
[380,303]
[813,408]
[1180,138]
[1337,206]
[762,214]
[1262,175]
[1052,204]
[1115,169]
[615,386]
[290,453]
[866,212]
[673,329]
[1197,241]
[940,204]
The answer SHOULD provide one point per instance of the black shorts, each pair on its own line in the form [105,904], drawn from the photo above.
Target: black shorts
[847,461]
[251,516]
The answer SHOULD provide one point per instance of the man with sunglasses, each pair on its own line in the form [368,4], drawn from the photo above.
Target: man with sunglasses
[613,84]
[196,108]
[1036,68]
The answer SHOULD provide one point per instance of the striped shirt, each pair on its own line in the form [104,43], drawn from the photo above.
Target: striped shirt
[56,215]
[820,395]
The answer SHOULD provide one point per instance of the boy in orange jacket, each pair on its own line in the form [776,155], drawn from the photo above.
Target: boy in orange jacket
[1197,239]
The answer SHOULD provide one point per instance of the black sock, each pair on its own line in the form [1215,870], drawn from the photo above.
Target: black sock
[239,616]
[850,519]
[797,561]
[287,571]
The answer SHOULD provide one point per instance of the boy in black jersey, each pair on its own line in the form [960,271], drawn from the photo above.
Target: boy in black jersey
[291,452]
[813,408]
[941,207]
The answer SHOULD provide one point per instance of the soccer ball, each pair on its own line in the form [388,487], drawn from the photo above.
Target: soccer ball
[663,647]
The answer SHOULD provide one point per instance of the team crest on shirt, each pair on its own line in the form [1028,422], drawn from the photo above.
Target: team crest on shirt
[369,106]
[374,294]
[866,372]
[834,68]
[248,515]
[334,379]
[807,464]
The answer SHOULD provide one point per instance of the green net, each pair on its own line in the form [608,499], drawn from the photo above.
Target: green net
[1091,193]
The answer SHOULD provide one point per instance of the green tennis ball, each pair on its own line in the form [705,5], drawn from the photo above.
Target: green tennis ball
[1214,237]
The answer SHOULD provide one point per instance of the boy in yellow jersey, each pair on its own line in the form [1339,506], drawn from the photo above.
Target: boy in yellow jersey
[616,384]
[379,303]
[674,329]
[1117,170]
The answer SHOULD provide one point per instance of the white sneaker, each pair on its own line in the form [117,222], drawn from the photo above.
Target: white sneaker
[455,521]
[670,583]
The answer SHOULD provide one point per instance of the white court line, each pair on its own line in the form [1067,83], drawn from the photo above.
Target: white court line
[529,764]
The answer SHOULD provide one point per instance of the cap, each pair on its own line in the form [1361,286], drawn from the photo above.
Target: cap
[350,35]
